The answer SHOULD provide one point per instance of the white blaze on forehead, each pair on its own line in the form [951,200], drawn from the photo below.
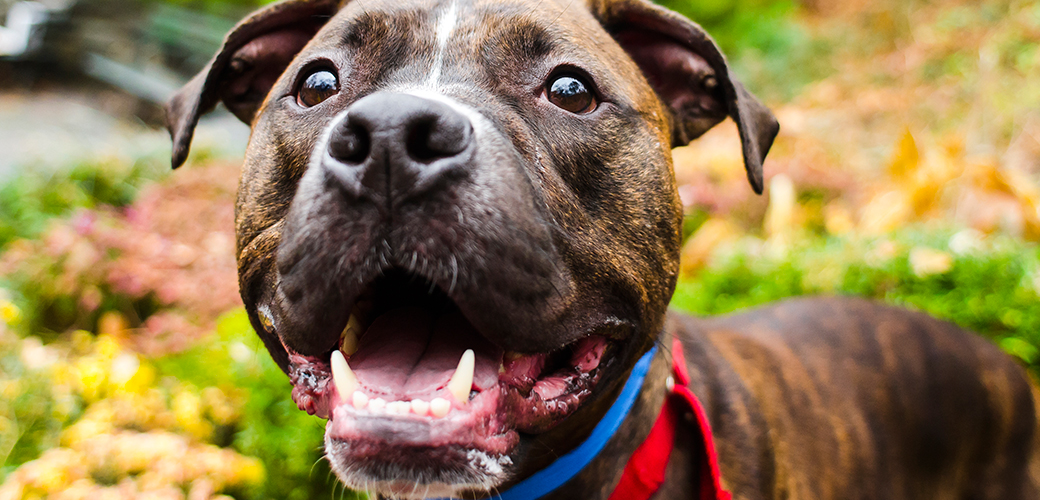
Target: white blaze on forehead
[445,27]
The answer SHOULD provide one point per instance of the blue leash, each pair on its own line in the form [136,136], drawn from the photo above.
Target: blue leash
[566,467]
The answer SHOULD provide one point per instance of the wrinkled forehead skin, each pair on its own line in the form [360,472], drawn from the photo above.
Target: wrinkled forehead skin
[488,43]
[463,48]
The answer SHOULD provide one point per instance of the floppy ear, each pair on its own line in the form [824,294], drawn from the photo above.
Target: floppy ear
[690,75]
[254,55]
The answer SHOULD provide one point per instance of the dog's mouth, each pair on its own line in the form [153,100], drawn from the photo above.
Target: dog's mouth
[413,391]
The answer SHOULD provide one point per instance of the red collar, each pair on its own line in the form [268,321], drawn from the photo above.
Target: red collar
[645,470]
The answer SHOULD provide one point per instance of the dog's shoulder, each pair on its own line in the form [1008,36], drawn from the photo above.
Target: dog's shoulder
[829,378]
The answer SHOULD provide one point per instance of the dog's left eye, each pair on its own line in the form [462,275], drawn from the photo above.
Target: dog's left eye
[318,86]
[571,93]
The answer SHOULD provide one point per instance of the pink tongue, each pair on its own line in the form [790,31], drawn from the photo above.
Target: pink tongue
[408,353]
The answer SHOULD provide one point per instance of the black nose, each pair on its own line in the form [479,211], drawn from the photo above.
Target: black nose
[398,145]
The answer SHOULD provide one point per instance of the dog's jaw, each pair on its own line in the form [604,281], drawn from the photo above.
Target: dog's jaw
[467,444]
[481,473]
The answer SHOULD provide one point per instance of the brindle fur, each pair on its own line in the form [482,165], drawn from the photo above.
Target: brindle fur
[809,399]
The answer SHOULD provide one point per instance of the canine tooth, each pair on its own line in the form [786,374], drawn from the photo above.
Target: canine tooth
[376,405]
[360,400]
[462,381]
[420,407]
[439,407]
[349,338]
[342,375]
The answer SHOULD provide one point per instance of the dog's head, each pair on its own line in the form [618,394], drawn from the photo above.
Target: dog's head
[427,178]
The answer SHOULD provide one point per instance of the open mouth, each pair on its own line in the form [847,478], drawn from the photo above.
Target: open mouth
[411,376]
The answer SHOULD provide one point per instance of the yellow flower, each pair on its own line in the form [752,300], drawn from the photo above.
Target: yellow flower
[9,313]
[219,406]
[92,375]
[142,380]
[82,341]
[187,407]
[50,473]
[107,347]
[249,471]
[10,389]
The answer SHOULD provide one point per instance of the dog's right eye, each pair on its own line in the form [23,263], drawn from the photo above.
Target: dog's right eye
[318,86]
[571,93]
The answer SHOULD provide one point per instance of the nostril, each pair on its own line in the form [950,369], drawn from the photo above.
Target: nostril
[418,142]
[351,144]
[434,137]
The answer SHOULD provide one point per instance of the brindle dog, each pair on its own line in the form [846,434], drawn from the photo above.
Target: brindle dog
[458,229]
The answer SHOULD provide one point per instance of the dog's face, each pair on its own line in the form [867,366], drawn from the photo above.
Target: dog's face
[457,223]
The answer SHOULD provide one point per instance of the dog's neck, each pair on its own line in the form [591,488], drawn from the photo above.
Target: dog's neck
[574,462]
[602,468]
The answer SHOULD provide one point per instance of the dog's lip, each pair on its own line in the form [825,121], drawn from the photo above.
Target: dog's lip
[523,400]
[475,425]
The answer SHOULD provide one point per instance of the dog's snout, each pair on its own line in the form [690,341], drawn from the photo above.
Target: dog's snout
[398,145]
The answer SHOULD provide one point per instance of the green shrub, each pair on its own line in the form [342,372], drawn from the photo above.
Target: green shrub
[992,289]
[31,199]
[773,54]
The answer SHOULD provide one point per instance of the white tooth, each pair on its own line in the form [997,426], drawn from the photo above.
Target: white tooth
[420,407]
[439,407]
[398,407]
[342,376]
[360,400]
[462,381]
[349,338]
[376,405]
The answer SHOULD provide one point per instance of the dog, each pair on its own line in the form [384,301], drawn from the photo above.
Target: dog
[458,232]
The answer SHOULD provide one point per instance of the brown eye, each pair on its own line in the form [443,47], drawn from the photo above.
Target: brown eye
[319,85]
[571,94]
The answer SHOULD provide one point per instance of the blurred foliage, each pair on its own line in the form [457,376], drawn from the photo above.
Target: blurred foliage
[124,292]
[989,285]
[111,424]
[30,416]
[89,415]
[30,200]
[228,8]
[272,428]
[162,266]
[771,51]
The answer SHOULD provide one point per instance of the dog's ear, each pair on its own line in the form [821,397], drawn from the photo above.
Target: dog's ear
[254,55]
[689,73]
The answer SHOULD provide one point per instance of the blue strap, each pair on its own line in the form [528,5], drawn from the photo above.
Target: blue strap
[566,467]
